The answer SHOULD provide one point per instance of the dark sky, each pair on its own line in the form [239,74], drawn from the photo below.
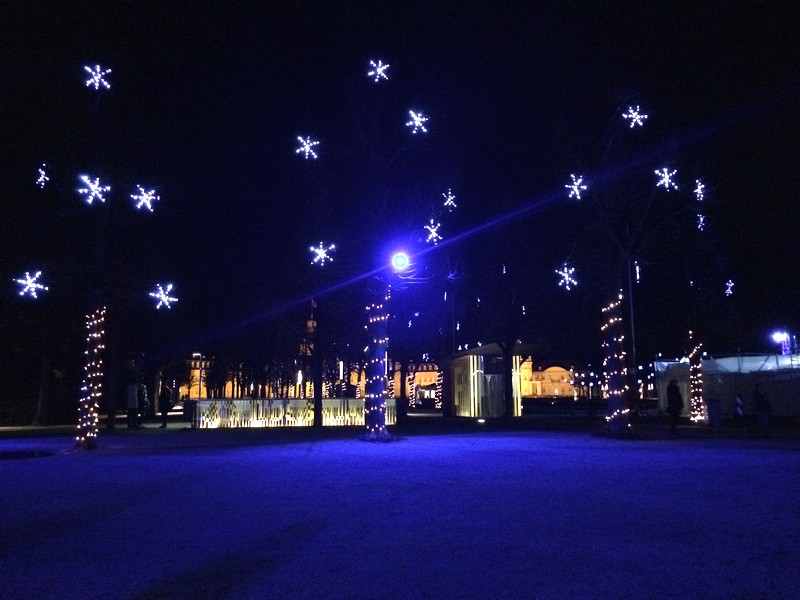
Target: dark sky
[208,98]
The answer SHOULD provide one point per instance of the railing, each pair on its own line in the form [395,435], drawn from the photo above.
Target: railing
[282,412]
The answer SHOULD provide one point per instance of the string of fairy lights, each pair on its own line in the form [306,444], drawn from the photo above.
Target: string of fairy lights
[697,408]
[92,386]
[615,371]
[93,190]
[375,397]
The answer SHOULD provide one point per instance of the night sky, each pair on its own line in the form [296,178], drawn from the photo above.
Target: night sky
[206,103]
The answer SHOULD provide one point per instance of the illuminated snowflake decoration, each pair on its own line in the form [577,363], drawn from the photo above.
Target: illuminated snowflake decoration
[666,181]
[162,295]
[307,147]
[449,200]
[729,287]
[93,190]
[30,284]
[575,187]
[42,180]
[145,199]
[322,254]
[433,232]
[97,77]
[378,70]
[417,121]
[635,115]
[699,190]
[567,279]
[701,222]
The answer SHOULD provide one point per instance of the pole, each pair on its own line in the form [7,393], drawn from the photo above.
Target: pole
[634,364]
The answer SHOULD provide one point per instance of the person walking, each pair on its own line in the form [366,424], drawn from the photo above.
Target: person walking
[674,406]
[164,404]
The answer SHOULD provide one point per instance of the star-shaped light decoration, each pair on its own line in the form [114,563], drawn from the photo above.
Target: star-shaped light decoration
[378,70]
[307,147]
[433,232]
[666,180]
[322,254]
[29,284]
[701,222]
[93,190]
[566,274]
[144,198]
[636,116]
[417,121]
[42,180]
[97,77]
[729,287]
[575,187]
[449,200]
[162,295]
[699,191]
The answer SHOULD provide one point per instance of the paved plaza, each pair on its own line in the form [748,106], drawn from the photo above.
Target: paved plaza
[178,514]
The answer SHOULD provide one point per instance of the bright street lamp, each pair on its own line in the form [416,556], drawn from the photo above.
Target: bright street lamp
[400,261]
[782,338]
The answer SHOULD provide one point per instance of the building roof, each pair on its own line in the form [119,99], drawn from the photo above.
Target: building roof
[493,349]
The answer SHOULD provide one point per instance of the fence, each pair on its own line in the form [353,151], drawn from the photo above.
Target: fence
[282,412]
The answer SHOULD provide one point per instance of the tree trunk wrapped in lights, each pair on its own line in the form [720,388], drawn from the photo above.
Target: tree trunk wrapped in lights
[375,400]
[92,388]
[438,403]
[614,369]
[697,408]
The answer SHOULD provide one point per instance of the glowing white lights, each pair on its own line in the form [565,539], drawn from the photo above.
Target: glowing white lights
[400,261]
[449,200]
[697,408]
[566,274]
[93,190]
[635,115]
[162,295]
[378,70]
[729,287]
[322,254]
[145,199]
[375,397]
[666,181]
[701,222]
[615,373]
[97,77]
[42,180]
[417,121]
[699,196]
[92,388]
[433,232]
[30,285]
[784,339]
[575,187]
[307,147]
[699,190]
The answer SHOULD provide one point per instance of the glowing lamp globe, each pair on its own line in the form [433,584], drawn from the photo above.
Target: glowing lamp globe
[780,336]
[400,261]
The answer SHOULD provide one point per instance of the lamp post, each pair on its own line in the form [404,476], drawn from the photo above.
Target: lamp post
[785,340]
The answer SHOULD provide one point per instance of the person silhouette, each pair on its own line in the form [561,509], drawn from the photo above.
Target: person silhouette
[674,406]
